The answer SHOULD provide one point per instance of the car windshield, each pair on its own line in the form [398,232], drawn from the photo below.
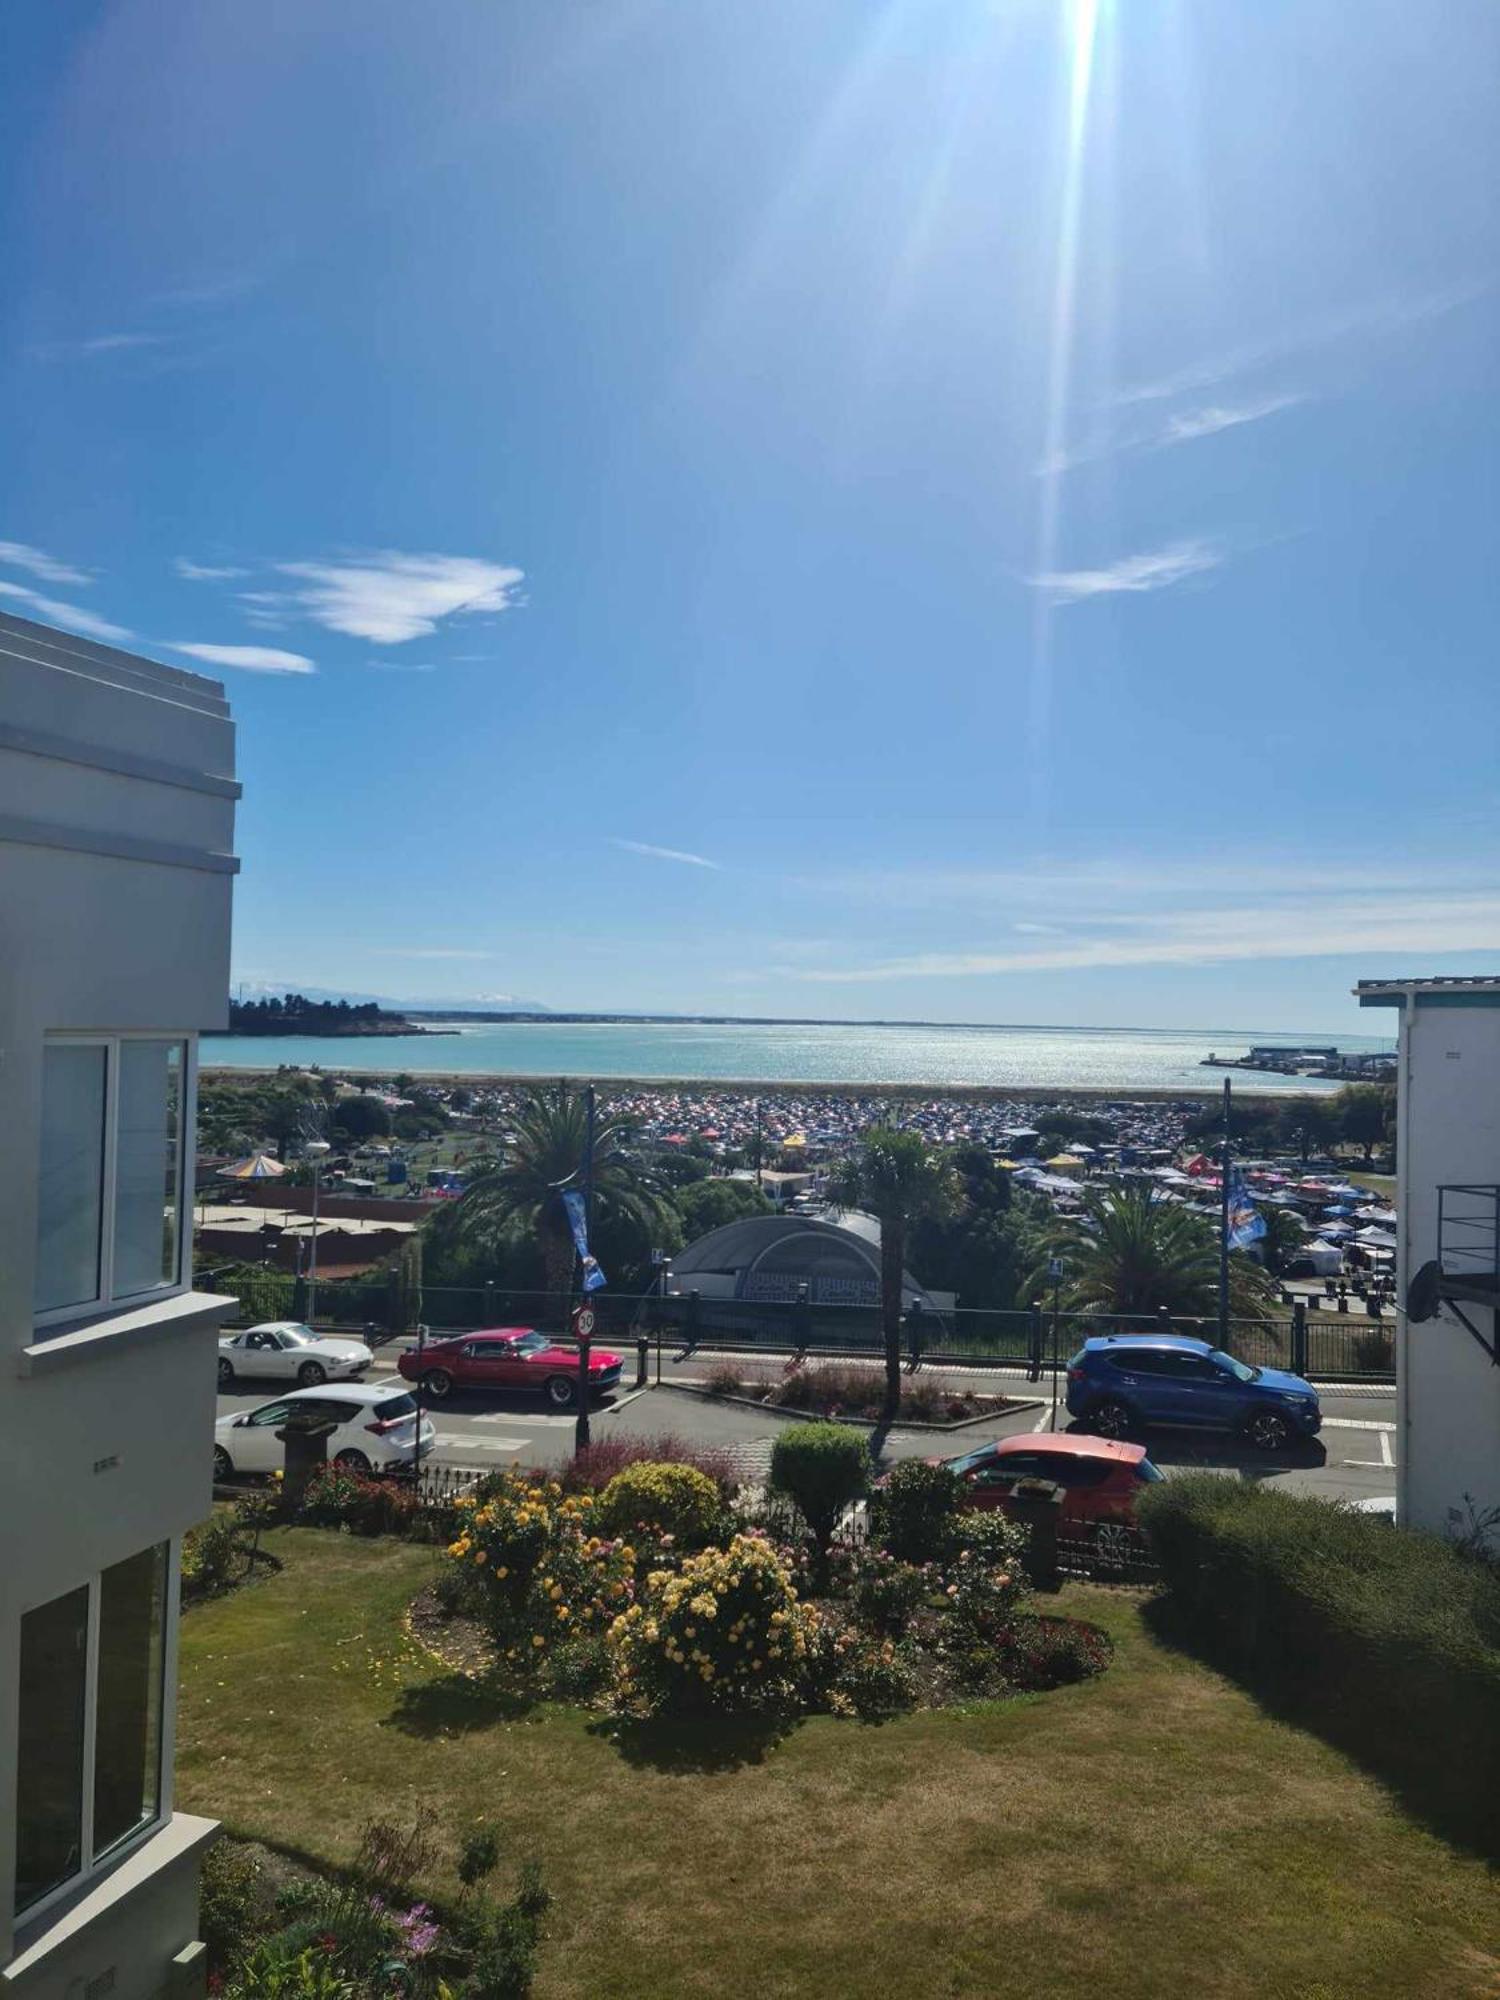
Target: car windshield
[1241,1370]
[394,1407]
[532,1343]
[297,1336]
[971,1458]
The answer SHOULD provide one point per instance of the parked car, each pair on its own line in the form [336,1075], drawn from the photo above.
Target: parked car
[287,1350]
[1118,1383]
[1101,1478]
[377,1427]
[507,1357]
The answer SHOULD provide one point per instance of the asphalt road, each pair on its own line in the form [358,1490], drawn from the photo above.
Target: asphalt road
[1353,1458]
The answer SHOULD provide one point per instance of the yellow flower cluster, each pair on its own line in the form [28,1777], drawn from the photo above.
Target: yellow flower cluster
[722,1627]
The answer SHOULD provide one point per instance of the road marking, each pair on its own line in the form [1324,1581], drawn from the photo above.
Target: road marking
[1356,1424]
[1044,1418]
[444,1443]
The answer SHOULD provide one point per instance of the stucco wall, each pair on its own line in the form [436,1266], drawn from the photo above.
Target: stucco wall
[1449,1394]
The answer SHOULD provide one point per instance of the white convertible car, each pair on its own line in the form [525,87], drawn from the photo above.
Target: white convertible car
[285,1351]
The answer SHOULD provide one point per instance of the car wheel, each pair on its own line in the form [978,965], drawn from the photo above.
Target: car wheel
[226,1372]
[351,1461]
[437,1383]
[560,1391]
[310,1374]
[1268,1430]
[1114,1545]
[1110,1419]
[223,1464]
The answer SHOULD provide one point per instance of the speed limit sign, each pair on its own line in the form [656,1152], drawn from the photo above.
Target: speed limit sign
[583,1322]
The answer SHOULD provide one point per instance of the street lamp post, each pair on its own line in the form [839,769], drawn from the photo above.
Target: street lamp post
[317,1150]
[1055,1273]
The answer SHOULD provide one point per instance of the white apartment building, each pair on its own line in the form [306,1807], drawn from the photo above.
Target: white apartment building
[1448,1166]
[116,825]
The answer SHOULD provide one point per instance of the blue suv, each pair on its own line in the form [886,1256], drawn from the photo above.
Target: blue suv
[1118,1383]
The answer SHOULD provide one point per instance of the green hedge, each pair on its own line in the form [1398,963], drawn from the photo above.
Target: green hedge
[1386,1641]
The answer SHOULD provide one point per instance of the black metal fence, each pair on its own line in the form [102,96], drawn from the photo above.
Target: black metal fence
[1345,1347]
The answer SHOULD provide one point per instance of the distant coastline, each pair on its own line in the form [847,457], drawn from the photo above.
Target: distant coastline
[335,1020]
[780,1055]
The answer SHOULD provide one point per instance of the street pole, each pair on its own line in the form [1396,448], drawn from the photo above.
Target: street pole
[1054,1271]
[757,1147]
[1224,1230]
[319,1149]
[585,1316]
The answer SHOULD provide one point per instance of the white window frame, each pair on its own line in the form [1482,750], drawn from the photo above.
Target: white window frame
[94,1867]
[60,1317]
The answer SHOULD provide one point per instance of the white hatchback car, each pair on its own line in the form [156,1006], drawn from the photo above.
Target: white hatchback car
[287,1351]
[377,1428]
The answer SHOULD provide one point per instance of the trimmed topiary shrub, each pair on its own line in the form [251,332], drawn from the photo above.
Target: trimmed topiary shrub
[653,1501]
[1385,1640]
[823,1467]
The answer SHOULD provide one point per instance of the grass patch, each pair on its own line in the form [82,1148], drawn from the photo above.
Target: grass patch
[1154,1820]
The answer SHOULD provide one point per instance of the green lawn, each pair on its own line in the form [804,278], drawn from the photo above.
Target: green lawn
[1152,1832]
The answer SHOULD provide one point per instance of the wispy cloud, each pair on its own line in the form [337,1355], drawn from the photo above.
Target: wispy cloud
[1372,319]
[1208,421]
[664,853]
[403,666]
[207,572]
[388,598]
[1458,921]
[36,562]
[1108,439]
[1156,569]
[72,617]
[98,343]
[250,659]
[431,951]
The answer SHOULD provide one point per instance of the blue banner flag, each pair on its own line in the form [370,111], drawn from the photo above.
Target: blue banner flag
[1246,1223]
[573,1202]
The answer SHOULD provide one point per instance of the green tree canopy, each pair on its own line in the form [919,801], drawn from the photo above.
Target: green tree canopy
[1129,1251]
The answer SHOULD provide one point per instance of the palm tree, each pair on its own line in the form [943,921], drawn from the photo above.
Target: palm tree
[1131,1252]
[894,1178]
[543,1152]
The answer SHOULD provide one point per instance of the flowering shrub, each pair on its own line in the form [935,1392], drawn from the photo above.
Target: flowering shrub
[650,1501]
[886,1594]
[1052,1652]
[545,1579]
[724,1631]
[873,1678]
[336,1497]
[983,1591]
[913,1512]
[591,1470]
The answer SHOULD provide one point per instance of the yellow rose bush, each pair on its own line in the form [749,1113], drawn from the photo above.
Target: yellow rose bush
[672,1504]
[723,1631]
[535,1570]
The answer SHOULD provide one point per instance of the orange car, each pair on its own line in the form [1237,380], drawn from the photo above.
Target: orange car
[1100,1477]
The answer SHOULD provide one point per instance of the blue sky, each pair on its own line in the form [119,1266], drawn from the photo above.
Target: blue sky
[950,509]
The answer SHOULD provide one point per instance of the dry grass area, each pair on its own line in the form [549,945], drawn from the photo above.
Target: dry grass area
[1151,1832]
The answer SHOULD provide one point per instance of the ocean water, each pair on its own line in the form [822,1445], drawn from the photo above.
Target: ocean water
[781,1052]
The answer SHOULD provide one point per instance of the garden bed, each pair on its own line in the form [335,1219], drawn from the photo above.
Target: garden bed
[1153,1817]
[853,1394]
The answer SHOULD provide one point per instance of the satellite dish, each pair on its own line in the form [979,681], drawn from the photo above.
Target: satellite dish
[1424,1293]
